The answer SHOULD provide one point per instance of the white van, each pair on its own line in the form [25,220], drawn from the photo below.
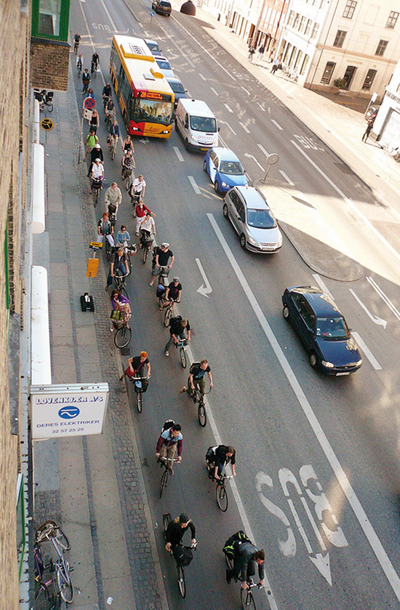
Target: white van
[196,124]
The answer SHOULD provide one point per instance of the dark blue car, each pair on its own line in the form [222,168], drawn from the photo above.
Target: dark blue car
[224,169]
[322,330]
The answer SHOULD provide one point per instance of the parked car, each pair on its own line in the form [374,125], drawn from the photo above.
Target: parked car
[165,66]
[177,87]
[153,46]
[224,169]
[322,329]
[163,7]
[252,220]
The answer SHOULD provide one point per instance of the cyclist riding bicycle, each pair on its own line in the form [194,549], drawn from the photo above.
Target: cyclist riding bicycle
[217,457]
[175,532]
[113,131]
[136,368]
[79,63]
[105,229]
[170,441]
[85,81]
[164,257]
[196,377]
[95,62]
[138,189]
[172,293]
[118,263]
[128,164]
[179,329]
[97,174]
[123,237]
[106,94]
[119,302]
[113,196]
[110,111]
[77,39]
[245,556]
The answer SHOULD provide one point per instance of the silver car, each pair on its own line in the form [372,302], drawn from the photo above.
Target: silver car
[252,219]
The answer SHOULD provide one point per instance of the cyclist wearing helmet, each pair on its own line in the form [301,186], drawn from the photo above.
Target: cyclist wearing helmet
[176,530]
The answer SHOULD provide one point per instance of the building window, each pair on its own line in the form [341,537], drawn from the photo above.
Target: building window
[392,20]
[369,79]
[50,19]
[302,22]
[315,30]
[296,21]
[381,48]
[298,60]
[349,9]
[339,40]
[291,17]
[308,27]
[328,72]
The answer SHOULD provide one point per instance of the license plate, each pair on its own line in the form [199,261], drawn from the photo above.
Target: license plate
[338,374]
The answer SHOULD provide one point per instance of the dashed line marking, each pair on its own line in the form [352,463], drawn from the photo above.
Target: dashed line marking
[215,92]
[277,124]
[288,180]
[261,147]
[228,108]
[178,153]
[244,127]
[194,185]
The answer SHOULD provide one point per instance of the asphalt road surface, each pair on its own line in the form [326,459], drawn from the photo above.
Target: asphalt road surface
[317,472]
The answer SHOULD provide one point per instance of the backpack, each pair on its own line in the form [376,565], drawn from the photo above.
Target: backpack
[174,320]
[193,367]
[167,425]
[183,556]
[233,543]
[160,290]
[210,455]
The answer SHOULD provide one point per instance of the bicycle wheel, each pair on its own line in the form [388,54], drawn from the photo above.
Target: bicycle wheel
[222,497]
[145,253]
[64,583]
[96,196]
[166,521]
[63,540]
[164,481]
[139,401]
[181,582]
[201,413]
[247,599]
[182,355]
[122,337]
[167,315]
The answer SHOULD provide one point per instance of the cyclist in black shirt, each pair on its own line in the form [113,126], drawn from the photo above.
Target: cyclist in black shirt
[164,258]
[179,327]
[176,530]
[173,293]
[218,457]
[107,92]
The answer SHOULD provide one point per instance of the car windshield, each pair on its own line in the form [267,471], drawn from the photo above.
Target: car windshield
[200,123]
[232,168]
[332,328]
[154,48]
[152,111]
[164,65]
[177,87]
[260,219]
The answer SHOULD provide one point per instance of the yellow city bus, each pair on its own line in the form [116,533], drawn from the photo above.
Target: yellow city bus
[144,95]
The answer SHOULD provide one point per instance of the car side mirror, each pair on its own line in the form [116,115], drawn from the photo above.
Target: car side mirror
[219,128]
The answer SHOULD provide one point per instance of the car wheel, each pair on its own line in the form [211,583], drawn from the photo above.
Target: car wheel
[187,144]
[312,359]
[286,312]
[216,189]
[225,211]
[204,166]
[243,241]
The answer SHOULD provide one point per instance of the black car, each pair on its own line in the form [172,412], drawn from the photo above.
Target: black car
[162,6]
[322,330]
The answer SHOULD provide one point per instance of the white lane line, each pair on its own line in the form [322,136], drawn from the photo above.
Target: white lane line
[244,127]
[204,49]
[261,106]
[288,180]
[225,123]
[341,476]
[248,92]
[373,317]
[194,185]
[255,160]
[201,76]
[179,49]
[366,351]
[349,203]
[322,284]
[277,124]
[215,92]
[261,147]
[384,297]
[228,108]
[178,153]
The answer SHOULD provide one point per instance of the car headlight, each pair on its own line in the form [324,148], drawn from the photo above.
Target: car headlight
[328,365]
[359,363]
[252,241]
[224,184]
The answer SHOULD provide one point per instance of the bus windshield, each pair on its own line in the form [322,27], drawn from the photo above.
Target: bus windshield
[201,123]
[152,111]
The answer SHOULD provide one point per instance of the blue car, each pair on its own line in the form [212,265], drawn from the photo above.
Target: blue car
[224,169]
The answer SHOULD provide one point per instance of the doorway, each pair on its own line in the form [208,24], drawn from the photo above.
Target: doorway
[348,76]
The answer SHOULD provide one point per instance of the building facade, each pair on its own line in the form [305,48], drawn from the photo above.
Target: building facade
[353,43]
[387,123]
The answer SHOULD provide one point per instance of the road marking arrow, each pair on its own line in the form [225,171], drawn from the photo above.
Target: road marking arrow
[225,123]
[254,159]
[375,319]
[205,288]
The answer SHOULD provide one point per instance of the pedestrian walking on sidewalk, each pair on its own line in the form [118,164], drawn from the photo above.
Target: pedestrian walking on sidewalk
[261,51]
[367,132]
[251,53]
[275,65]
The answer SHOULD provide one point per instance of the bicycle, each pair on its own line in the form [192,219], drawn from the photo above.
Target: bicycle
[198,398]
[126,175]
[79,69]
[145,243]
[168,312]
[181,344]
[123,334]
[76,47]
[179,567]
[97,185]
[221,493]
[112,145]
[108,250]
[137,382]
[93,70]
[119,282]
[162,275]
[51,532]
[44,590]
[246,596]
[166,463]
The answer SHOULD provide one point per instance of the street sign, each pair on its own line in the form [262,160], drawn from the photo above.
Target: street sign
[87,114]
[89,103]
[47,124]
[152,14]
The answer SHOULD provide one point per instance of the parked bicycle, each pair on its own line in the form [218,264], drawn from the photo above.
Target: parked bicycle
[45,99]
[138,385]
[44,586]
[52,533]
[179,566]
[167,464]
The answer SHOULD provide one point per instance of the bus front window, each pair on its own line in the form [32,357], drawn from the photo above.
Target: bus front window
[152,111]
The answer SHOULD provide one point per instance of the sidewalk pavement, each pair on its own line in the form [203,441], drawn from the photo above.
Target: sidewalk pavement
[93,486]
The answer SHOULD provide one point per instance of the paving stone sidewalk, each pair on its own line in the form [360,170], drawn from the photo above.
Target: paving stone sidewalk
[92,485]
